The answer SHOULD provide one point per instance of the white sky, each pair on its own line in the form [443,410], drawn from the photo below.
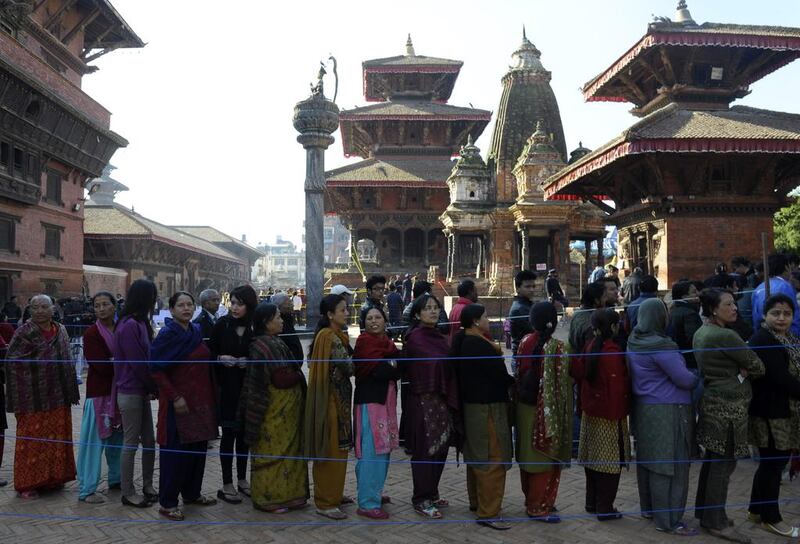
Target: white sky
[207,104]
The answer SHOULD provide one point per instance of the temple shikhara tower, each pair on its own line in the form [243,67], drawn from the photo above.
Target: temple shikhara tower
[695,180]
[391,201]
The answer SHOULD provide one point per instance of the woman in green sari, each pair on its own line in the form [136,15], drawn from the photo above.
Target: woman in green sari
[271,412]
[543,414]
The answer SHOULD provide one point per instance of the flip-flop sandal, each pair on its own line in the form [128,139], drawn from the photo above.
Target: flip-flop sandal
[347,500]
[204,500]
[243,490]
[230,498]
[333,513]
[441,503]
[429,511]
[172,515]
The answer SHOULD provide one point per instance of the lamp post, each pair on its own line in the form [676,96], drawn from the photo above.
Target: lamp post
[315,118]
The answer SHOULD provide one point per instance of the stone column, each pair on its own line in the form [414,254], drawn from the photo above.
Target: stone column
[450,256]
[402,248]
[600,257]
[315,119]
[525,250]
[425,242]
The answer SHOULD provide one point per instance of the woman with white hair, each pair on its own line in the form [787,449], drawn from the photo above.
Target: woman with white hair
[41,387]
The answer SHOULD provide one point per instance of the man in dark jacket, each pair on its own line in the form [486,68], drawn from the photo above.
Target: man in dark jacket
[553,289]
[209,306]
[394,303]
[519,314]
[649,289]
[684,318]
[630,287]
[288,334]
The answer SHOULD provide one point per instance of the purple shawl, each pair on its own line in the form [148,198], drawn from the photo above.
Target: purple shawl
[428,367]
[106,411]
[40,373]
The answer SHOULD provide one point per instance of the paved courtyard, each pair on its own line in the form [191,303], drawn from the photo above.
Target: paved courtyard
[60,517]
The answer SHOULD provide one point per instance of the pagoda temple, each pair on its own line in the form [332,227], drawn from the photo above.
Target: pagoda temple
[695,181]
[391,201]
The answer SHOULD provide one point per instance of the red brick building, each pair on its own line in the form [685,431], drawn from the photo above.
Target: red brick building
[53,137]
[695,181]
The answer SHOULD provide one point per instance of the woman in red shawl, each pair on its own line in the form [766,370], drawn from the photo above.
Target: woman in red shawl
[432,402]
[375,412]
[41,387]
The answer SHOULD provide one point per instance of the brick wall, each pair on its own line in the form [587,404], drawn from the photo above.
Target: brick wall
[696,244]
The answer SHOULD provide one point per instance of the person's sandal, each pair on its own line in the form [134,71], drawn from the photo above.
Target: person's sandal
[172,514]
[230,498]
[244,490]
[203,500]
[428,510]
[28,495]
[789,531]
[94,498]
[373,513]
[347,500]
[495,524]
[441,503]
[609,516]
[332,513]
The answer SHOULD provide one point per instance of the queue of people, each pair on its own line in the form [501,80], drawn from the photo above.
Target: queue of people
[614,380]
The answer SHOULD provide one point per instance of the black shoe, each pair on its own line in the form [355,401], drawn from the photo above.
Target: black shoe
[127,502]
[497,525]
[590,509]
[614,514]
[152,498]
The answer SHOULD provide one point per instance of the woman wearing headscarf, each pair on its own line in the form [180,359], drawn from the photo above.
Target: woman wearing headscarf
[774,412]
[101,426]
[230,346]
[727,366]
[375,411]
[543,413]
[271,412]
[186,407]
[41,386]
[484,386]
[663,419]
[328,431]
[605,441]
[432,404]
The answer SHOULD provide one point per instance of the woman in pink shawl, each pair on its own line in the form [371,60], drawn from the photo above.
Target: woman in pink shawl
[101,429]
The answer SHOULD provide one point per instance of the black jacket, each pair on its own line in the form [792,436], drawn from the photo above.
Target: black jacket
[519,315]
[482,374]
[373,390]
[771,392]
[290,338]
[206,325]
[684,320]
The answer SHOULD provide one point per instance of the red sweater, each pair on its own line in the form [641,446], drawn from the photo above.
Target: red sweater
[609,396]
[101,368]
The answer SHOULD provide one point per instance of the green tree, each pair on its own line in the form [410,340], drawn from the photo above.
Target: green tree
[787,227]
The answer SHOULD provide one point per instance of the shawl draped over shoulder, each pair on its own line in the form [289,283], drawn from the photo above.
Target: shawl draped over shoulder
[40,374]
[315,428]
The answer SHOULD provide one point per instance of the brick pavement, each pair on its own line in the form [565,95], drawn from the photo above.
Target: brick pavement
[60,517]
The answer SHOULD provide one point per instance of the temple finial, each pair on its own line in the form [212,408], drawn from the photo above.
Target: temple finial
[410,47]
[524,36]
[682,15]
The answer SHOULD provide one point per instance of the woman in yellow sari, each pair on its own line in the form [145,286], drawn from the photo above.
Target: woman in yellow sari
[328,431]
[271,414]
